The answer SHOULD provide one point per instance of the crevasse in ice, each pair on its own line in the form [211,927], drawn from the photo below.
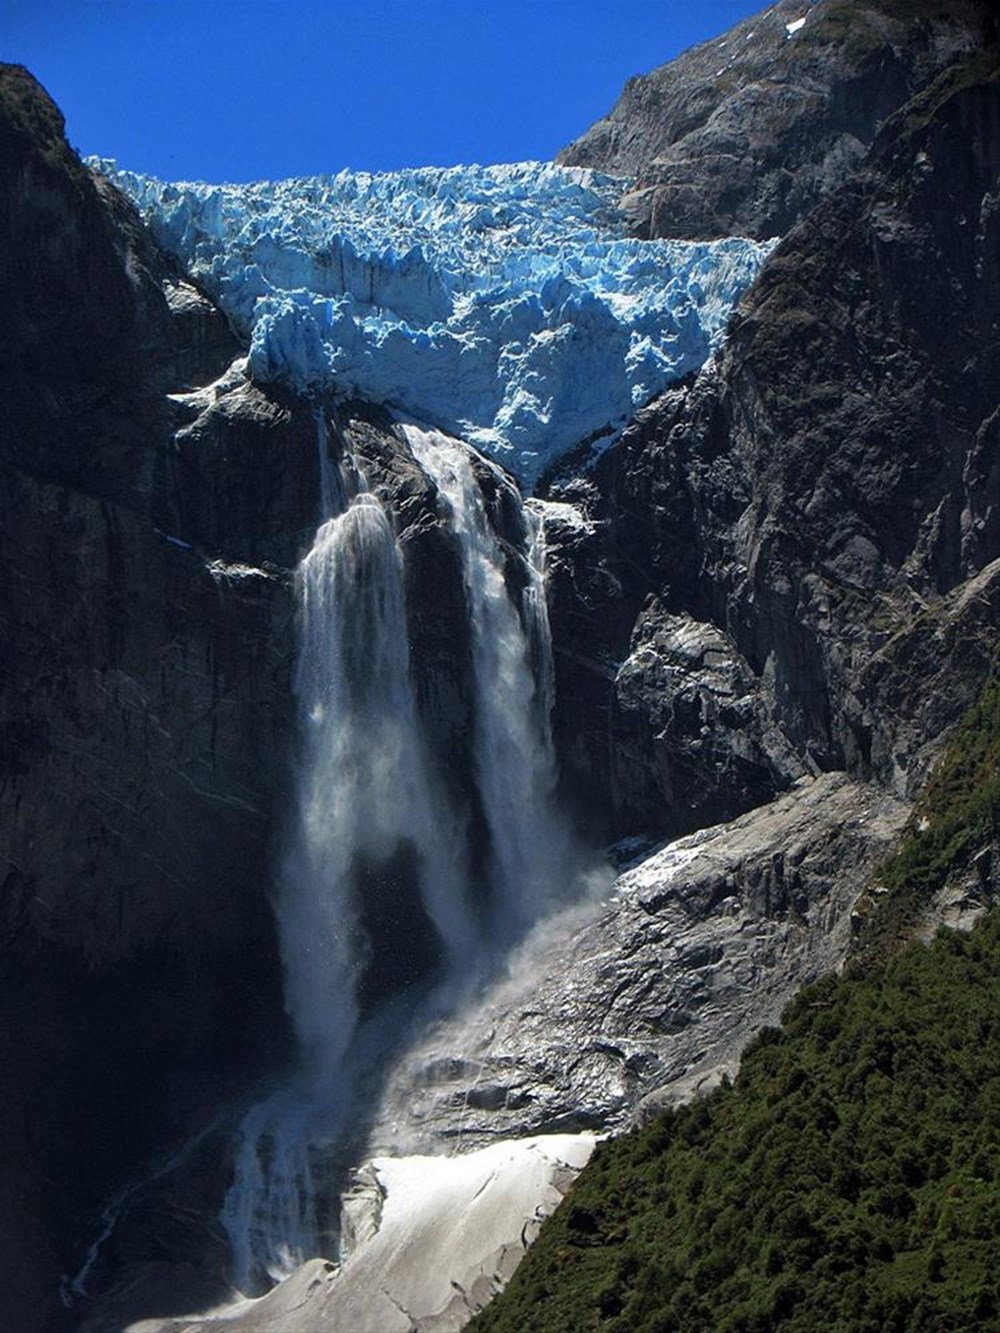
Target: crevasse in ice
[504,304]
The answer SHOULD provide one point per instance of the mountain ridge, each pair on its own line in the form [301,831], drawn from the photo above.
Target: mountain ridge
[744,134]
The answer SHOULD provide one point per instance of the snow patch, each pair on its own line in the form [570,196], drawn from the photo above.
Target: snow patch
[454,1226]
[444,1235]
[663,867]
[563,514]
[219,570]
[794,26]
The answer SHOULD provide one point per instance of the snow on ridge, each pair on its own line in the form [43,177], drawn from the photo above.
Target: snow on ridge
[506,304]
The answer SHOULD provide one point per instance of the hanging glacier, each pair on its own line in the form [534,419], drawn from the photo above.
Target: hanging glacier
[507,305]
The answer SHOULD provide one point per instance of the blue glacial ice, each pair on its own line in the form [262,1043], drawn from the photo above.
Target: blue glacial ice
[506,305]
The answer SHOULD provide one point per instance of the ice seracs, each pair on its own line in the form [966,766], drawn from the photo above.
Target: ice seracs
[506,304]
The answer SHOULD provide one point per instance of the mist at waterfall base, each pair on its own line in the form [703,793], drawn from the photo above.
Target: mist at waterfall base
[386,919]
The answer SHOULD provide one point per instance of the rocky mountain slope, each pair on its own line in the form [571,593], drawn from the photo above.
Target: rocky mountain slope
[782,581]
[804,540]
[845,1180]
[846,1177]
[743,135]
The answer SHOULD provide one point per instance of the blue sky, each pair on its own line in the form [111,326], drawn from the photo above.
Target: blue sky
[218,90]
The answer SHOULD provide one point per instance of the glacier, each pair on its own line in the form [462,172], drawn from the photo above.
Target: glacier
[506,305]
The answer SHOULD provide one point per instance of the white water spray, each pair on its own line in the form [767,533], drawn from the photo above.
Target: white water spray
[366,789]
[375,895]
[532,852]
[331,497]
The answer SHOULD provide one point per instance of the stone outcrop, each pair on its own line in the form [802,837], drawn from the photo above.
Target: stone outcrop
[659,987]
[745,134]
[693,727]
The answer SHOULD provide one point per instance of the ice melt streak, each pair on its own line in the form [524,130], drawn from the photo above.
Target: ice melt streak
[504,304]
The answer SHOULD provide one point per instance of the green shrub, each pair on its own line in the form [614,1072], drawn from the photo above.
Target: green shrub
[847,1180]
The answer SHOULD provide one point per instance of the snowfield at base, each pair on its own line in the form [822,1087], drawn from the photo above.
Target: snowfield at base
[453,1229]
[506,305]
[434,1239]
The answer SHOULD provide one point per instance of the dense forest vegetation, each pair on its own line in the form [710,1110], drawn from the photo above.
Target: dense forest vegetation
[849,1180]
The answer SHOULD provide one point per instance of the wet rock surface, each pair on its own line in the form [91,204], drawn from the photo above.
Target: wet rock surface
[700,945]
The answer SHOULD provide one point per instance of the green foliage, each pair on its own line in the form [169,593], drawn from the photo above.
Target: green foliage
[848,1181]
[957,813]
[960,805]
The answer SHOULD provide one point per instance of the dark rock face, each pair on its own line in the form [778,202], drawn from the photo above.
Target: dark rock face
[743,135]
[693,728]
[825,495]
[237,481]
[145,707]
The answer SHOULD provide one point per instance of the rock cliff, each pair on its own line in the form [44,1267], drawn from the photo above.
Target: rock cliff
[743,135]
[145,704]
[657,988]
[803,541]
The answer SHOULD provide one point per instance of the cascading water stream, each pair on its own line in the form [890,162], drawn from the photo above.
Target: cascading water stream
[366,794]
[367,823]
[332,498]
[375,901]
[533,855]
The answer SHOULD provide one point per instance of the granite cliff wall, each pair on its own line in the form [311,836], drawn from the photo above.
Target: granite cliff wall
[145,704]
[744,134]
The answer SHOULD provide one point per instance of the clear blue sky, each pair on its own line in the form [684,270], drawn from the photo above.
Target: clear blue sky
[220,90]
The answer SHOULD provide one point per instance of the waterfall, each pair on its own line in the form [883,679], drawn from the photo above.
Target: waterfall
[378,920]
[536,619]
[533,856]
[329,490]
[371,856]
[367,809]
